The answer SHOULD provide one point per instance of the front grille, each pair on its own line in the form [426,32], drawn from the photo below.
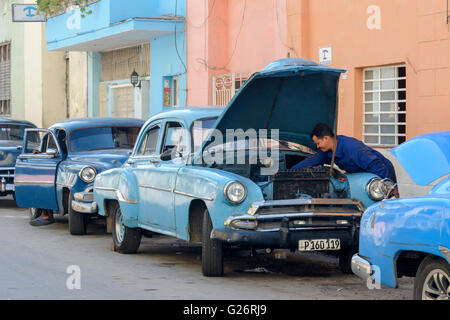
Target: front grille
[293,184]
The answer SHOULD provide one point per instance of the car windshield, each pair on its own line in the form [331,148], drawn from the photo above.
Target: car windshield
[200,131]
[103,138]
[12,132]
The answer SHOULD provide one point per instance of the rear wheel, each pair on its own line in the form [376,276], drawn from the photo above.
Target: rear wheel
[212,250]
[77,221]
[432,280]
[126,240]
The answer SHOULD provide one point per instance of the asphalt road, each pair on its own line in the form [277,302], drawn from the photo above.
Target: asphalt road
[34,264]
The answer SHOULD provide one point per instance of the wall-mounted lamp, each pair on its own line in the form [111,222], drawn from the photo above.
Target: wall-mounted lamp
[134,79]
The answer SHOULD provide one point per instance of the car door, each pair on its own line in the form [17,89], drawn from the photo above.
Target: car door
[36,169]
[157,177]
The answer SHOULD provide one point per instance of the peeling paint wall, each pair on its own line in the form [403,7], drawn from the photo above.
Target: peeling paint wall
[77,85]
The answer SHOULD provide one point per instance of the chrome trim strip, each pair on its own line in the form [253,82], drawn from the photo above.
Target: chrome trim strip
[263,217]
[445,252]
[156,188]
[84,207]
[33,182]
[193,196]
[65,185]
[313,201]
[119,194]
[361,267]
[9,169]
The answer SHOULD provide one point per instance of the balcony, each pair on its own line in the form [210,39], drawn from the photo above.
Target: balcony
[114,24]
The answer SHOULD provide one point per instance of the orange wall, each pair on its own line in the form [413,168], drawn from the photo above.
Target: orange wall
[413,32]
[231,36]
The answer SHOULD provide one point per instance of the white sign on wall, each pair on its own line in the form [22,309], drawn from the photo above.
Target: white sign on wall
[27,13]
[326,55]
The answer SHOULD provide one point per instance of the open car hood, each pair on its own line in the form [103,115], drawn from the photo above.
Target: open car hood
[425,158]
[291,95]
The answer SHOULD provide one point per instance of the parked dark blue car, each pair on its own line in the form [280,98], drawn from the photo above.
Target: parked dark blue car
[11,141]
[57,167]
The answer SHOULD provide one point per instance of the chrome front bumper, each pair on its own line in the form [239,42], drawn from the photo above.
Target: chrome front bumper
[83,202]
[361,267]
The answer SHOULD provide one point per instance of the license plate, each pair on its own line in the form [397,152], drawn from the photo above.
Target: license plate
[319,244]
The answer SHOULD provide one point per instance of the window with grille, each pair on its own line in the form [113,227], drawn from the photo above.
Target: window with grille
[384,98]
[5,79]
[225,87]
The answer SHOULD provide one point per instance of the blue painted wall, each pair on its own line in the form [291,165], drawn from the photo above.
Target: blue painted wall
[105,13]
[164,62]
[69,29]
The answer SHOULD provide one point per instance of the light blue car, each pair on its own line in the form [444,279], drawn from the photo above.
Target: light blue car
[184,180]
[411,236]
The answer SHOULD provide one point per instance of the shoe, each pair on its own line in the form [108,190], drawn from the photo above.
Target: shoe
[41,222]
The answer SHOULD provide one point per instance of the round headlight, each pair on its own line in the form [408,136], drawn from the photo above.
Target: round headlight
[378,189]
[235,192]
[87,174]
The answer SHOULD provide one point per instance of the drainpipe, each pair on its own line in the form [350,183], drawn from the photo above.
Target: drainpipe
[67,84]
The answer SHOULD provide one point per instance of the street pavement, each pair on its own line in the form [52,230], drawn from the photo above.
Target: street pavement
[45,262]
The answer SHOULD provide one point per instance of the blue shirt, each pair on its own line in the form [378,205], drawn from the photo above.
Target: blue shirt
[353,156]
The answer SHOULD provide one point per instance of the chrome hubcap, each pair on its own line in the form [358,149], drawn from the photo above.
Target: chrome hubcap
[119,226]
[436,286]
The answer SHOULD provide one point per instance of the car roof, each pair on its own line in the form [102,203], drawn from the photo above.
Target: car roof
[189,114]
[73,124]
[13,121]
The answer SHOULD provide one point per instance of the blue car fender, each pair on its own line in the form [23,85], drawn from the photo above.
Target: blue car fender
[195,184]
[120,185]
[392,227]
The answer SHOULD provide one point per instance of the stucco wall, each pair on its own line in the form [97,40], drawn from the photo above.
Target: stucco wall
[54,102]
[414,33]
[14,32]
[231,36]
[77,90]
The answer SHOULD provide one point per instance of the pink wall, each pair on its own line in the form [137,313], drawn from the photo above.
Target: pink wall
[234,36]
[413,32]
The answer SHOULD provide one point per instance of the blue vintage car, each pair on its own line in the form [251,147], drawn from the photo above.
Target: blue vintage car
[58,165]
[11,141]
[411,236]
[184,180]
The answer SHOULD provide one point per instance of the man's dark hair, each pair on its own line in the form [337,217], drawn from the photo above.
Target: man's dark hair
[321,130]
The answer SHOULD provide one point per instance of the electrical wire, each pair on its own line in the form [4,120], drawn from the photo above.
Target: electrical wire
[205,62]
[175,38]
[204,21]
[278,33]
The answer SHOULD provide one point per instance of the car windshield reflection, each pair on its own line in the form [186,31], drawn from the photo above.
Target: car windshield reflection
[98,138]
[12,132]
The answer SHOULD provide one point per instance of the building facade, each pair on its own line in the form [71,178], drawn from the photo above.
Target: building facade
[27,90]
[121,38]
[396,53]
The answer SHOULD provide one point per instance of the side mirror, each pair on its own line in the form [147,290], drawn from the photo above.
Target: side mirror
[52,152]
[166,155]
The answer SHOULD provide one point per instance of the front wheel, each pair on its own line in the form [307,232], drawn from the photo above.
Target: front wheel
[126,240]
[77,221]
[212,250]
[432,280]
